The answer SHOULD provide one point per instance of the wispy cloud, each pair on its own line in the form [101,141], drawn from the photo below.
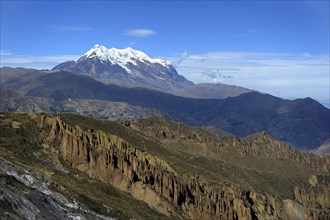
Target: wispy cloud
[253,31]
[288,75]
[69,28]
[247,33]
[4,52]
[139,32]
[180,59]
[37,62]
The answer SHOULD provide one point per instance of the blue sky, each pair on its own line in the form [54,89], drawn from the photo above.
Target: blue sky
[279,47]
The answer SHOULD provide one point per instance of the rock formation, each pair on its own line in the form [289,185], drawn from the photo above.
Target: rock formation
[147,176]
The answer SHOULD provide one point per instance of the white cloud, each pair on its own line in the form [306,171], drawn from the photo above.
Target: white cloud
[139,32]
[69,28]
[288,75]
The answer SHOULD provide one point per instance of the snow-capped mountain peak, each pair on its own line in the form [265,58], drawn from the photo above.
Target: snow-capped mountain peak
[126,67]
[122,57]
[99,51]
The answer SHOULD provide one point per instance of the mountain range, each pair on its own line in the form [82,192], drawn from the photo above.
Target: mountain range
[116,134]
[303,123]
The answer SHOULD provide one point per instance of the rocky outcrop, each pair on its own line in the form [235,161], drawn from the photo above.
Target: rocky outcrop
[148,177]
[315,197]
[113,160]
[28,195]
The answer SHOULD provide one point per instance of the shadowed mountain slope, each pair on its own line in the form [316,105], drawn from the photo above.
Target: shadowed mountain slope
[304,123]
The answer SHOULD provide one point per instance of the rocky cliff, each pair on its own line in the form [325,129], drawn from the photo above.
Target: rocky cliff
[113,160]
[314,197]
[142,170]
[36,183]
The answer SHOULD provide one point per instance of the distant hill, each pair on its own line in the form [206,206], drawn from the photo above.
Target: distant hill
[303,123]
[211,91]
[14,102]
[324,148]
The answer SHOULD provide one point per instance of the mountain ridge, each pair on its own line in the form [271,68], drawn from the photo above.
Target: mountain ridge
[303,123]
